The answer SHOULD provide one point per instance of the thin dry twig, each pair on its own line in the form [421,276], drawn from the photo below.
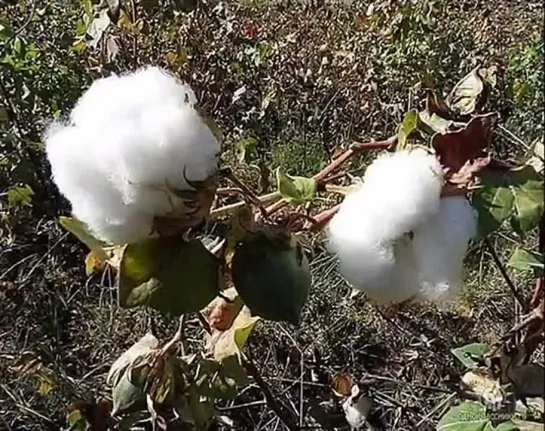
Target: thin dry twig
[272,402]
[504,273]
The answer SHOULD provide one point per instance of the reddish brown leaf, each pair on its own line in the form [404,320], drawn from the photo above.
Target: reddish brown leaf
[472,142]
[342,384]
[465,177]
[251,30]
[224,310]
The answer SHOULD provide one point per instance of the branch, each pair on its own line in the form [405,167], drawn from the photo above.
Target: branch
[322,176]
[504,273]
[272,402]
[179,337]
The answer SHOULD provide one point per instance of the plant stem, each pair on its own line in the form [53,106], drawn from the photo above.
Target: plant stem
[272,402]
[321,219]
[179,336]
[504,273]
[322,176]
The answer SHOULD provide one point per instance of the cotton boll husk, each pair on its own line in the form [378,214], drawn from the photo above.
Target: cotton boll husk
[440,247]
[133,141]
[404,189]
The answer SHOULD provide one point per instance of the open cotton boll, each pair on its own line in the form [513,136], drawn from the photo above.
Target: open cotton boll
[440,247]
[368,260]
[133,143]
[404,189]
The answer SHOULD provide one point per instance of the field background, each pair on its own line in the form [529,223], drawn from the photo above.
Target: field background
[301,79]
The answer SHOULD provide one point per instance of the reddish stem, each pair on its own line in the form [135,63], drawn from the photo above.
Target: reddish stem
[322,219]
[322,176]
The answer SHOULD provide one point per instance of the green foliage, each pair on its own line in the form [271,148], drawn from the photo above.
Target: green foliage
[473,416]
[20,196]
[168,274]
[410,124]
[272,277]
[468,416]
[297,190]
[524,260]
[515,196]
[470,353]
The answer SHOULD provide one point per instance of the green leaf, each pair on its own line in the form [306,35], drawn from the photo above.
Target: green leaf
[468,353]
[469,93]
[20,196]
[127,397]
[468,416]
[246,150]
[297,190]
[519,425]
[526,260]
[169,275]
[80,230]
[410,124]
[271,277]
[516,195]
[527,188]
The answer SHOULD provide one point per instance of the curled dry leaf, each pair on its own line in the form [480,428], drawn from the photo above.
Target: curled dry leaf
[456,148]
[471,92]
[224,344]
[147,343]
[222,312]
[484,386]
[342,384]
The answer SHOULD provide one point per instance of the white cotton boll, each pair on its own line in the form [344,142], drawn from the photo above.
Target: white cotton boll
[132,141]
[368,260]
[399,193]
[440,247]
[404,189]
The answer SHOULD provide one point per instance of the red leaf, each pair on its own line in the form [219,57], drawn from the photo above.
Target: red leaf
[472,142]
[251,30]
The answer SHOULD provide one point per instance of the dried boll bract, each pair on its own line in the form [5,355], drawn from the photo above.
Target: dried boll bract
[133,145]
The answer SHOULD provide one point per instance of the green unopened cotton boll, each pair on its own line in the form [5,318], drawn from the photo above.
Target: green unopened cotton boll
[272,277]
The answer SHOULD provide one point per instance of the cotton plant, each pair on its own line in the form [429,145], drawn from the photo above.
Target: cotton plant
[395,237]
[139,165]
[129,153]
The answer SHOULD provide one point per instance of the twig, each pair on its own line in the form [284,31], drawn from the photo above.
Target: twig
[227,209]
[322,176]
[179,337]
[504,273]
[334,188]
[275,405]
[321,219]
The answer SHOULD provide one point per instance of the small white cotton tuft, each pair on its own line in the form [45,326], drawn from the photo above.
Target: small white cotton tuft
[131,141]
[404,189]
[369,233]
[440,247]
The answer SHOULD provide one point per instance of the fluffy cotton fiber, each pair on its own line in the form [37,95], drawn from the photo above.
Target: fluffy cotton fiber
[129,142]
[370,233]
[395,237]
[441,245]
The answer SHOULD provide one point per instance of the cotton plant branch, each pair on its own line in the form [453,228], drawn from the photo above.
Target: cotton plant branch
[326,175]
